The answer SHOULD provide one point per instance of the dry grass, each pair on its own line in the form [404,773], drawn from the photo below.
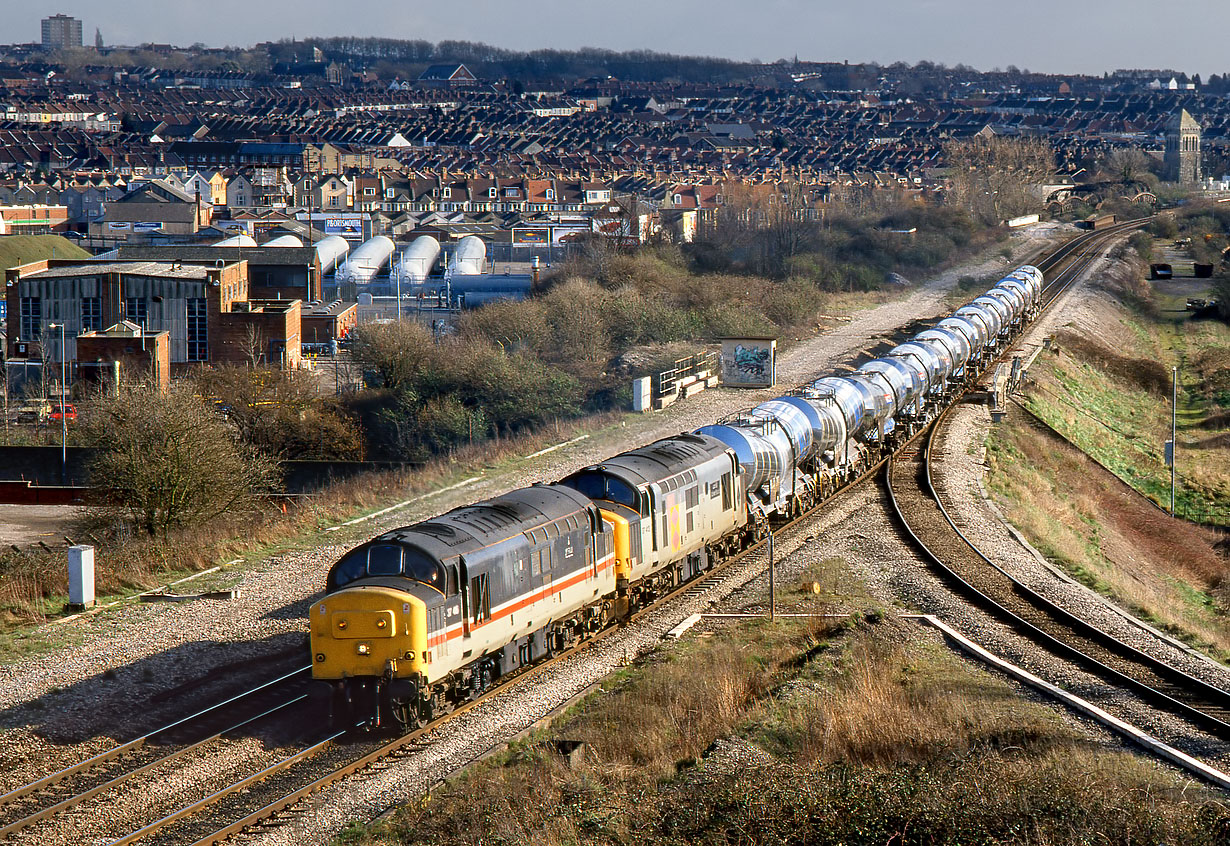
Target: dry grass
[881,741]
[1080,517]
[891,705]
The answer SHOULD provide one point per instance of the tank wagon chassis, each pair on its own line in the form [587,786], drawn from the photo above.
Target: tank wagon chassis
[427,618]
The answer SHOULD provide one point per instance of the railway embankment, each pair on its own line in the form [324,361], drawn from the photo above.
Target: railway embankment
[1090,495]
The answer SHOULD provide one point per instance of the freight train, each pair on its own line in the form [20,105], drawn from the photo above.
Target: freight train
[426,617]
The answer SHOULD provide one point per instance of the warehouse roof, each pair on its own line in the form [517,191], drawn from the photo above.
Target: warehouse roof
[135,268]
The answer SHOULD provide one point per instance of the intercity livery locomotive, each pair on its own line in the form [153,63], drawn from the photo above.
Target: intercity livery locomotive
[426,617]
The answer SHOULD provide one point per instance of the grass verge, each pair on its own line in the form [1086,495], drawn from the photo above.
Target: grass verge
[798,733]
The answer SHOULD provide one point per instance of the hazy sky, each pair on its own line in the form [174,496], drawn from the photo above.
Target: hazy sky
[1059,36]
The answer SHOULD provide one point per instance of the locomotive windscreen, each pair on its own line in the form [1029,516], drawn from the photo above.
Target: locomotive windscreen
[602,486]
[387,560]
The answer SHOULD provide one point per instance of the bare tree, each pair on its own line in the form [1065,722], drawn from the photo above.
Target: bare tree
[169,459]
[994,178]
[253,343]
[1127,164]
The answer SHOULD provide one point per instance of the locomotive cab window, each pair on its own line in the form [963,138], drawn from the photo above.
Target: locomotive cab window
[384,561]
[388,560]
[601,486]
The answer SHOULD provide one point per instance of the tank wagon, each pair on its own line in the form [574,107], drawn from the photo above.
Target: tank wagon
[425,617]
[365,262]
[330,250]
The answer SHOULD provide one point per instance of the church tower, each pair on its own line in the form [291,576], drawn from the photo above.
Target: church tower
[1183,149]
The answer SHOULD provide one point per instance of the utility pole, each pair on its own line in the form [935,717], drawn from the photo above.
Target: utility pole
[63,405]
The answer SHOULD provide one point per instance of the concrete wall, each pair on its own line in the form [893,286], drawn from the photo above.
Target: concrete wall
[41,466]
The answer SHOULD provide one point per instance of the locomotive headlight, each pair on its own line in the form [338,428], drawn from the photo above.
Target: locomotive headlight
[364,648]
[380,624]
[320,657]
[341,624]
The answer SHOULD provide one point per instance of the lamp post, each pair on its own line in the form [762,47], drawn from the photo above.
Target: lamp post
[63,408]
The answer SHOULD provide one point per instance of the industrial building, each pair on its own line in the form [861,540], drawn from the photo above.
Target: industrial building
[207,312]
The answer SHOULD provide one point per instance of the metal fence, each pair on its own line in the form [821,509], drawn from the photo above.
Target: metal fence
[689,368]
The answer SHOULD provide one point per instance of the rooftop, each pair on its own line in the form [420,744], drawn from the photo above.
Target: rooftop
[135,268]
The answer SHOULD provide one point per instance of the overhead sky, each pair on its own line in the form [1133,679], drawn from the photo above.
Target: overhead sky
[1055,36]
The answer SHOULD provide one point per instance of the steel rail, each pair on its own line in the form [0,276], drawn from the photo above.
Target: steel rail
[138,742]
[73,801]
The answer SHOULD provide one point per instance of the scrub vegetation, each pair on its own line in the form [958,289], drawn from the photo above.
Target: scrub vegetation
[819,731]
[763,270]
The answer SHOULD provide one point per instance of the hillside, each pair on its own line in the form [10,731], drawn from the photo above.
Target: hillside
[20,249]
[1111,402]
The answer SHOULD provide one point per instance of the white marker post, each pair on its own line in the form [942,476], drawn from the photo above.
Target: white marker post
[81,576]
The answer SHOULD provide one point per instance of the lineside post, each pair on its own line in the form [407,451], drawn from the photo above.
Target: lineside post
[1174,417]
[772,584]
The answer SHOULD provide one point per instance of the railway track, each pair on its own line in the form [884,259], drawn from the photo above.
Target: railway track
[919,507]
[216,818]
[281,785]
[931,526]
[24,808]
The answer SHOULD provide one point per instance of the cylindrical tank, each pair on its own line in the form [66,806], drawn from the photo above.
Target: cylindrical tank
[908,379]
[762,447]
[284,241]
[973,333]
[1032,277]
[1001,310]
[879,401]
[794,420]
[956,344]
[985,320]
[845,396]
[237,241]
[936,363]
[418,259]
[470,257]
[365,262]
[1021,288]
[330,250]
[1012,298]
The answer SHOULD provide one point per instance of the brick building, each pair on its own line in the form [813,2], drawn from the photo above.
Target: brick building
[206,311]
[124,353]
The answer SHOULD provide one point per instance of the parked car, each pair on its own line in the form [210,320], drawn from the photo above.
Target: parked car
[68,412]
[34,411]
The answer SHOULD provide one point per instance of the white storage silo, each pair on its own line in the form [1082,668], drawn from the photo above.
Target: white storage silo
[470,257]
[330,250]
[364,263]
[419,258]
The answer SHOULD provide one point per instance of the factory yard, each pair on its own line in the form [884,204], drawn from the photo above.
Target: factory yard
[28,524]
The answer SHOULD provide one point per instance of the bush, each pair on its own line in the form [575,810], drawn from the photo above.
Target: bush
[167,460]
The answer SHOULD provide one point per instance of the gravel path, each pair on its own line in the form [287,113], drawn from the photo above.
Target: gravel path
[99,680]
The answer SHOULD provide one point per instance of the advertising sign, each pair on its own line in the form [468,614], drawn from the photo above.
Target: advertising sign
[532,236]
[147,226]
[119,227]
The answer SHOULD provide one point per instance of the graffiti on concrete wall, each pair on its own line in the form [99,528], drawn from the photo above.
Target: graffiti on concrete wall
[749,362]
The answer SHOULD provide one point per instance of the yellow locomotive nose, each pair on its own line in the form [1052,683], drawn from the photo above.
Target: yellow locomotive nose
[366,631]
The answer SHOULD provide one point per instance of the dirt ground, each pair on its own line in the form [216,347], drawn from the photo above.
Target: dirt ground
[28,524]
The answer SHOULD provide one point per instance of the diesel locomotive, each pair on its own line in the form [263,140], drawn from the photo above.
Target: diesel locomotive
[426,617]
